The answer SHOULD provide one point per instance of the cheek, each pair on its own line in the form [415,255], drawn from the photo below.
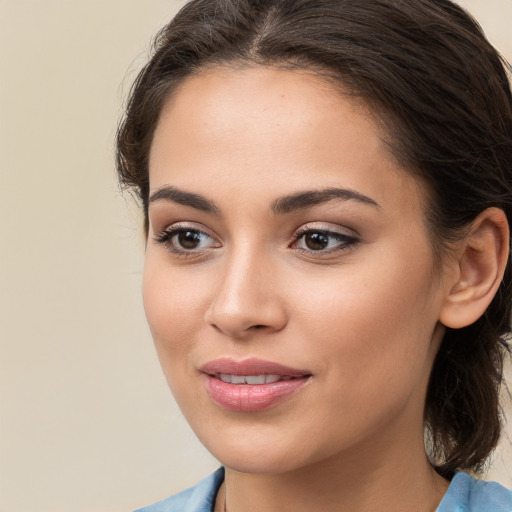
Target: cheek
[173,303]
[370,318]
[173,306]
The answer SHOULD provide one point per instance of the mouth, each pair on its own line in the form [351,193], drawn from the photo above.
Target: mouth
[251,379]
[251,385]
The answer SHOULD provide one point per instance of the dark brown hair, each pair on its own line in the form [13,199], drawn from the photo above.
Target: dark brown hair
[442,93]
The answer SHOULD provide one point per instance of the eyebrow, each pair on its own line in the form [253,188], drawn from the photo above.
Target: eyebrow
[175,195]
[307,199]
[282,205]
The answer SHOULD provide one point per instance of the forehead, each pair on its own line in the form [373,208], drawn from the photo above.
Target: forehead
[271,131]
[254,104]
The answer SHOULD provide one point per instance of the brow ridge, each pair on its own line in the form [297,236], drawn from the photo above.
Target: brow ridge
[191,199]
[282,205]
[309,198]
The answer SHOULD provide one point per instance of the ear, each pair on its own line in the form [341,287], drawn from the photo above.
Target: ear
[480,263]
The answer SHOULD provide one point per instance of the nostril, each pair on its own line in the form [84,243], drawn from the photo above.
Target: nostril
[239,318]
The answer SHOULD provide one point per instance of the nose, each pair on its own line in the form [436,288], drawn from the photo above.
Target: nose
[247,298]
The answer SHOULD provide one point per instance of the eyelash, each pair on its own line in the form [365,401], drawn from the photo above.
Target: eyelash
[345,241]
[165,238]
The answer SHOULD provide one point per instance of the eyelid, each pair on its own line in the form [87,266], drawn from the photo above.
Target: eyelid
[326,227]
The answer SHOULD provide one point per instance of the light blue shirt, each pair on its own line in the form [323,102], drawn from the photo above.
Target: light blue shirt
[465,494]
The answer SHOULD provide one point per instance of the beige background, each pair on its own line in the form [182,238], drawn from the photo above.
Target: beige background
[86,420]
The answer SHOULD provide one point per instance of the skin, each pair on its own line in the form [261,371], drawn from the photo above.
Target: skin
[361,316]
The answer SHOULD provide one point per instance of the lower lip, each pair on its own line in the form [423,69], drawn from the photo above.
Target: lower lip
[251,397]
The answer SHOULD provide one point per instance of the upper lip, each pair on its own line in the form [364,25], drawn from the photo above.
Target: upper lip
[252,366]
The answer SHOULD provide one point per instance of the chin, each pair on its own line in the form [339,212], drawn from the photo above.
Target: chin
[258,454]
[262,464]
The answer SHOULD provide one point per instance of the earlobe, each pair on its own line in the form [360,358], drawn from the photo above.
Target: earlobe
[481,262]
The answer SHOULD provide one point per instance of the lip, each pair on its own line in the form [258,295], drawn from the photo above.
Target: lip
[251,397]
[252,366]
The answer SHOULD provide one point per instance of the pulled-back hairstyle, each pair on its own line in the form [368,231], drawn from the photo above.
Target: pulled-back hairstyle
[442,95]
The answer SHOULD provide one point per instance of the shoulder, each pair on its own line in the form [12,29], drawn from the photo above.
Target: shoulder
[200,498]
[467,494]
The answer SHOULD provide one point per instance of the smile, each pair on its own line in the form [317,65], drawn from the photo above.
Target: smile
[251,385]
[251,379]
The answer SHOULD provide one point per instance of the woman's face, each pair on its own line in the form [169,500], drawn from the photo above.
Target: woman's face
[289,282]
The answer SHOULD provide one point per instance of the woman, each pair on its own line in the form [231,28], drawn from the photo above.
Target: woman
[326,188]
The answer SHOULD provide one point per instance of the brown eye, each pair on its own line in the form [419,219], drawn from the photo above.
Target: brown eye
[185,240]
[316,241]
[323,241]
[188,239]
